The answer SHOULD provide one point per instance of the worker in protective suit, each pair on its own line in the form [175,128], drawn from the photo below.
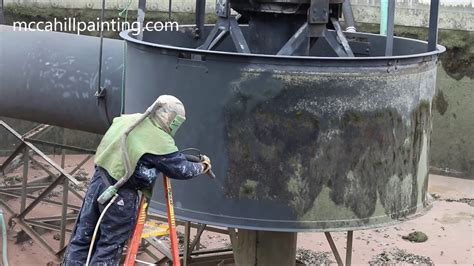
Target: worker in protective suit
[136,147]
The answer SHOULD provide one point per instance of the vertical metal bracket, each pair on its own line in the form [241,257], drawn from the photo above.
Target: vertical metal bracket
[170,7]
[238,37]
[318,12]
[433,26]
[296,41]
[335,252]
[2,15]
[222,8]
[200,17]
[141,17]
[341,39]
[390,25]
[226,25]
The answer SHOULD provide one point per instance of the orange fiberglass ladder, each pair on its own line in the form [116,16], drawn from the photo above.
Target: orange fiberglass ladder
[135,240]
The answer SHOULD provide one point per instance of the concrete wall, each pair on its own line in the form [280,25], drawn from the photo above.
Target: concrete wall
[152,5]
[454,14]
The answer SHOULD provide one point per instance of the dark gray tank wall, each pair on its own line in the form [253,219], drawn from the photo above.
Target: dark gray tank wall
[51,78]
[297,144]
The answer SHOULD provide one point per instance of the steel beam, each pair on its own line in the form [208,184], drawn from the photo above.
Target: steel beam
[14,194]
[296,41]
[63,178]
[334,249]
[433,26]
[36,131]
[62,239]
[61,146]
[40,197]
[141,17]
[12,156]
[170,7]
[332,39]
[2,15]
[200,17]
[197,237]
[24,181]
[342,38]
[40,153]
[238,37]
[390,26]
[186,249]
[350,237]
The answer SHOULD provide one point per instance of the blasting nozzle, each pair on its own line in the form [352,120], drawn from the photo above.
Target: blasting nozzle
[109,193]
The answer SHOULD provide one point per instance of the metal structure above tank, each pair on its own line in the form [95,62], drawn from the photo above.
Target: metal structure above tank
[310,139]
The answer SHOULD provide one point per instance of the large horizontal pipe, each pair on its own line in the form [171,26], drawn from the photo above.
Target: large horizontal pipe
[51,78]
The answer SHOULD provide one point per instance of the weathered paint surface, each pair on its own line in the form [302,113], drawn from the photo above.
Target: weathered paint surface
[339,151]
[296,146]
[452,142]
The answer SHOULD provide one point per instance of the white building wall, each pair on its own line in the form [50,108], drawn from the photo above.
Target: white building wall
[454,14]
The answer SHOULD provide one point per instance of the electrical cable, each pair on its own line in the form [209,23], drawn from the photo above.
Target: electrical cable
[122,91]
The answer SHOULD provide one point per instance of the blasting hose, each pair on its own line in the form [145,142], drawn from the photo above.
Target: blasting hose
[112,190]
[4,240]
[96,229]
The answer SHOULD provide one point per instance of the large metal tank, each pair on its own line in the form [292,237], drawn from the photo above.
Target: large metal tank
[300,143]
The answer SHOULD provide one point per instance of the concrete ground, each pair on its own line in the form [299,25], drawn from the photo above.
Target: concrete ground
[448,225]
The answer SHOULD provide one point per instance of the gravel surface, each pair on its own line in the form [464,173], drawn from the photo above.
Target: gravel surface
[309,257]
[399,255]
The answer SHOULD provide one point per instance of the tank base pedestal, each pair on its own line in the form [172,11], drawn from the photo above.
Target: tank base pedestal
[263,247]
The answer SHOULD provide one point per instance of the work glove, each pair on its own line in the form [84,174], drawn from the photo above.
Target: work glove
[207,163]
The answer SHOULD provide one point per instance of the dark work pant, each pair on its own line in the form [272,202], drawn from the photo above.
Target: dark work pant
[115,228]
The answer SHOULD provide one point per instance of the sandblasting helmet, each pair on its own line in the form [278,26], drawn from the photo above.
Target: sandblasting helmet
[168,111]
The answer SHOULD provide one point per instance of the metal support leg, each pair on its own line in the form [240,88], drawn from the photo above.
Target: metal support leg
[62,239]
[2,15]
[225,26]
[23,190]
[342,38]
[186,251]
[350,235]
[196,239]
[207,44]
[200,17]
[24,182]
[296,41]
[141,17]
[238,37]
[332,39]
[390,25]
[40,197]
[333,248]
[433,27]
[170,6]
[12,157]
